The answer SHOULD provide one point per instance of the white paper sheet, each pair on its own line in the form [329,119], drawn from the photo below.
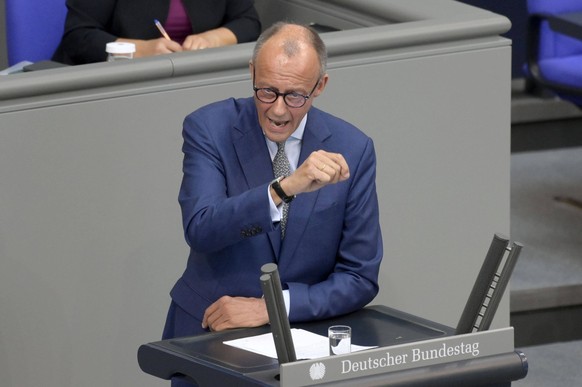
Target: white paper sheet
[308,345]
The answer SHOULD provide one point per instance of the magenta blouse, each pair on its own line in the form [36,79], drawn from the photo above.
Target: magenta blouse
[177,24]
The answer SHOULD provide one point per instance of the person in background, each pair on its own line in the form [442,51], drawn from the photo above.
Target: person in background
[274,179]
[190,24]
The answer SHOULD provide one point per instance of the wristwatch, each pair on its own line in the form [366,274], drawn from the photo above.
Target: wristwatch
[279,191]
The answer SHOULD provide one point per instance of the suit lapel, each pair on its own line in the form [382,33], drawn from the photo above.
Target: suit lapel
[253,156]
[251,149]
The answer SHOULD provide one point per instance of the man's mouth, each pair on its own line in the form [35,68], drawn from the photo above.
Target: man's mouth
[278,123]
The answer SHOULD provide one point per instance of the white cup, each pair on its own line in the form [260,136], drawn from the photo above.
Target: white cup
[119,51]
[340,339]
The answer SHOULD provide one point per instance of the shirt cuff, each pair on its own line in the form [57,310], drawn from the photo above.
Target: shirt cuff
[274,210]
[287,300]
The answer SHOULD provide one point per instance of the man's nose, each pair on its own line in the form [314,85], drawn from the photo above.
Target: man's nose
[279,106]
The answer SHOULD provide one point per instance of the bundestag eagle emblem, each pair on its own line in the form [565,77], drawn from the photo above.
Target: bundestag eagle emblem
[317,371]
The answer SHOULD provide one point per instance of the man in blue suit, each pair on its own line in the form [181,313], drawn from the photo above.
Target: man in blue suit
[232,199]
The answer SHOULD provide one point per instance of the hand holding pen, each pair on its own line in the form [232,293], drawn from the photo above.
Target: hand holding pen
[213,38]
[157,46]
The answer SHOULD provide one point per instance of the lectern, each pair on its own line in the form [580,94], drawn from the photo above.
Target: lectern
[428,351]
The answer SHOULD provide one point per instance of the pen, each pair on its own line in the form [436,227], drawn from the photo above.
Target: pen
[161,28]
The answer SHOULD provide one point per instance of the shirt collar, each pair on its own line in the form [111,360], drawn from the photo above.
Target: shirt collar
[297,135]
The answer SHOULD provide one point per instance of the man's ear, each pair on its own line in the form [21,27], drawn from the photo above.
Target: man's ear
[321,85]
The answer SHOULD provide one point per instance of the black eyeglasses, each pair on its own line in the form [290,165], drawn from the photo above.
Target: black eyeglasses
[292,99]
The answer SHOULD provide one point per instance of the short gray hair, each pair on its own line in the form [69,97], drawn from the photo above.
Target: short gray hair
[291,47]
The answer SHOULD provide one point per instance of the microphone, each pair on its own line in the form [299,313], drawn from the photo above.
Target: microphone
[280,328]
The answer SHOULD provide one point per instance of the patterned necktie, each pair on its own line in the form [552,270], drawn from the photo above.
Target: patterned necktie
[281,167]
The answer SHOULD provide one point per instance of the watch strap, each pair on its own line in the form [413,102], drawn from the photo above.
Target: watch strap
[276,184]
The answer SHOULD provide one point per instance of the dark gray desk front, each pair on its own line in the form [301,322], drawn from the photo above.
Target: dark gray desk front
[209,362]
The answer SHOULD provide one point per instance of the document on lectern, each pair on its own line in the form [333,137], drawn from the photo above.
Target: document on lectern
[308,345]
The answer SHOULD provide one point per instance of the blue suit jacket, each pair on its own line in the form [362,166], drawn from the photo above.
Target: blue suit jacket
[330,256]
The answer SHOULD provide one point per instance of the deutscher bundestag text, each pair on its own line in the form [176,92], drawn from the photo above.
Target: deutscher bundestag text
[415,355]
